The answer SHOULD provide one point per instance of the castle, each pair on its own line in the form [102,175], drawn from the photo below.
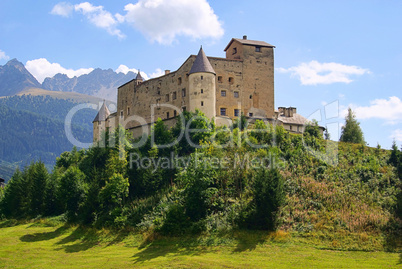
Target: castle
[221,88]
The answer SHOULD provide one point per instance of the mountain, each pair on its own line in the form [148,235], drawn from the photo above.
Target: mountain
[14,77]
[100,83]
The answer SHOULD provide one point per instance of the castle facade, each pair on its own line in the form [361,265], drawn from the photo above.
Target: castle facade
[222,88]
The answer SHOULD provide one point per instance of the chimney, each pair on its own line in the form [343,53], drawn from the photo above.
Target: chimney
[167,72]
[245,37]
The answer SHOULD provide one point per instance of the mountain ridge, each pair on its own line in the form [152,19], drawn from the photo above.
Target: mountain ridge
[102,83]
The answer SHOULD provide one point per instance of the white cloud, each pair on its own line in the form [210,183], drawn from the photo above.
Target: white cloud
[159,20]
[125,69]
[63,9]
[42,68]
[162,21]
[158,73]
[388,110]
[100,18]
[96,15]
[314,73]
[397,135]
[3,56]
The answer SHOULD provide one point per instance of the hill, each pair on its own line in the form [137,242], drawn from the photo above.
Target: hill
[334,195]
[32,127]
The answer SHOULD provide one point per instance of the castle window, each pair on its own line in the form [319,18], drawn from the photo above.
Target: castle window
[175,113]
[174,96]
[121,114]
[236,94]
[202,77]
[250,114]
[167,115]
[167,98]
[223,111]
[290,127]
[128,111]
[183,108]
[223,93]
[237,112]
[202,103]
[179,81]
[257,49]
[234,50]
[183,92]
[202,90]
[220,79]
[251,96]
[231,80]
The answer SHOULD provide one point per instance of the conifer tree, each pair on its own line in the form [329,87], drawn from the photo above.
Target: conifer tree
[352,132]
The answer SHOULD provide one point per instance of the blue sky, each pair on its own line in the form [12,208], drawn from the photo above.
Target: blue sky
[328,53]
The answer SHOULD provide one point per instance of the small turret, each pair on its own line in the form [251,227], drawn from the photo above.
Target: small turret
[100,123]
[139,79]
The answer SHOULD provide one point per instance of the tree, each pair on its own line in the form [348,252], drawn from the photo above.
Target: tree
[352,132]
[269,195]
[39,181]
[72,191]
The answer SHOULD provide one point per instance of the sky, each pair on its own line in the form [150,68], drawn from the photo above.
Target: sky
[329,55]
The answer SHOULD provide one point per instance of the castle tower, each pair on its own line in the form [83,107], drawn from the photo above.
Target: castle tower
[258,75]
[100,124]
[202,88]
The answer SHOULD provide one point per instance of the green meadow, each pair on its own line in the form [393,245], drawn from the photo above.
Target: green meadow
[43,244]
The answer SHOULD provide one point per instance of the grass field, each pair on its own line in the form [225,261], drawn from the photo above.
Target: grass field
[43,245]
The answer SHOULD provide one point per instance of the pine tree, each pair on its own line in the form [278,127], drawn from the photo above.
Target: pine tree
[352,132]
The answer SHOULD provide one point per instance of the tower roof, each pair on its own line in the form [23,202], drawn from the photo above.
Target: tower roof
[245,41]
[139,77]
[202,64]
[103,113]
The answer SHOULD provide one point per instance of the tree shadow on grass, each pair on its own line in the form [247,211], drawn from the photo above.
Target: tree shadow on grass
[154,247]
[44,236]
[84,238]
[80,239]
[248,241]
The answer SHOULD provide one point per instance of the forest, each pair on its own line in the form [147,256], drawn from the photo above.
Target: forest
[257,177]
[33,129]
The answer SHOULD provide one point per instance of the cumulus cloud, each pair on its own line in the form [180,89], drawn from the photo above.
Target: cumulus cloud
[159,20]
[63,9]
[96,15]
[42,68]
[397,135]
[388,110]
[314,73]
[158,72]
[162,21]
[3,56]
[125,69]
[100,18]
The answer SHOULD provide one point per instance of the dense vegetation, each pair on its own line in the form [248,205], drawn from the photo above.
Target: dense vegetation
[259,178]
[32,128]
